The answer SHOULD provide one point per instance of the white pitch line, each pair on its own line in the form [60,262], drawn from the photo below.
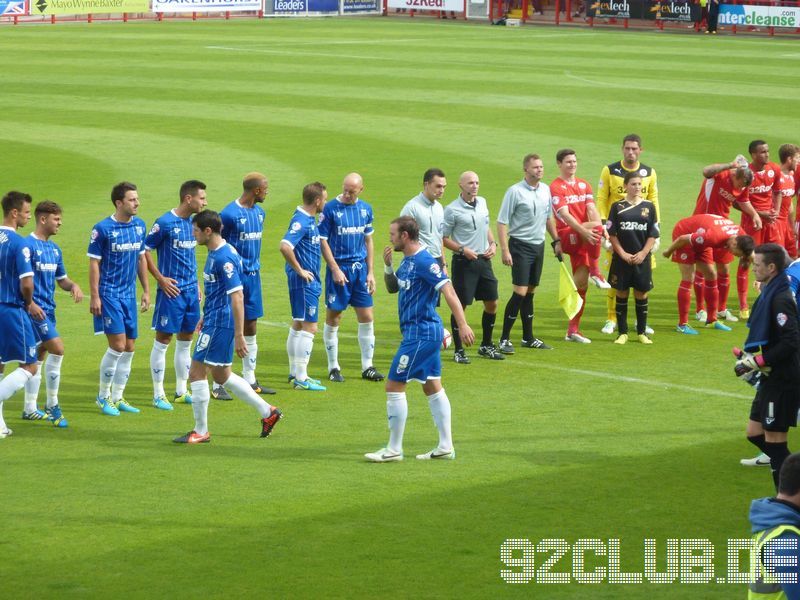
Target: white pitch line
[594,374]
[571,76]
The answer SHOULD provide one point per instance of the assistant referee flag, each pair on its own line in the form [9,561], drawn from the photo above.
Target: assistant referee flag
[568,296]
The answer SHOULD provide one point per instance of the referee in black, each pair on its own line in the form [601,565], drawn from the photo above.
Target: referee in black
[467,233]
[774,332]
[632,229]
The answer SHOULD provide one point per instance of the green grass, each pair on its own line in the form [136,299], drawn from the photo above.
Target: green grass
[598,441]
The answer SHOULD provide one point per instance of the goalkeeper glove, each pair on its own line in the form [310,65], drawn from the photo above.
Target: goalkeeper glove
[749,365]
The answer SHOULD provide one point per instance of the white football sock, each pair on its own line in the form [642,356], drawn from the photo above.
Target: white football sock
[13,382]
[396,413]
[158,363]
[249,361]
[121,376]
[440,409]
[366,339]
[52,378]
[108,366]
[303,347]
[241,389]
[200,398]
[330,336]
[32,390]
[182,362]
[291,340]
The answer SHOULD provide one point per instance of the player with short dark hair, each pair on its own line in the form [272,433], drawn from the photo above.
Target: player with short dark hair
[468,234]
[222,332]
[632,230]
[725,186]
[300,248]
[177,308]
[764,196]
[427,210]
[521,224]
[579,232]
[611,188]
[17,338]
[774,333]
[47,261]
[789,155]
[776,537]
[693,242]
[345,233]
[243,227]
[419,281]
[116,259]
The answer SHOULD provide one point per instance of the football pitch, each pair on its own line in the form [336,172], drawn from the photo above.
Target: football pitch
[598,441]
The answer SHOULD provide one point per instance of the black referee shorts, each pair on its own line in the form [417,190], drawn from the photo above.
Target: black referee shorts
[528,261]
[775,408]
[473,279]
[623,276]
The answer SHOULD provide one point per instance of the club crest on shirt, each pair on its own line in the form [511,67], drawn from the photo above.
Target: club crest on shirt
[363,213]
[781,318]
[139,230]
[260,218]
[645,212]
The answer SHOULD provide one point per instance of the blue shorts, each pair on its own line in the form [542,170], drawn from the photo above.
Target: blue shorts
[417,360]
[353,293]
[304,299]
[214,347]
[251,288]
[45,330]
[118,316]
[177,315]
[17,338]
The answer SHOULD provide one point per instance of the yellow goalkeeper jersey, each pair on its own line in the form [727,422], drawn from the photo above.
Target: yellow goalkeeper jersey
[611,189]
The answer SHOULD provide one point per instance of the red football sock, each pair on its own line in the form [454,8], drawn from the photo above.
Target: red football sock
[742,281]
[684,301]
[723,287]
[711,297]
[574,322]
[698,291]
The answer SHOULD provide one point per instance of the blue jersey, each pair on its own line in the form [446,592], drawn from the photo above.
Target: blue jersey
[171,237]
[117,246]
[303,237]
[15,264]
[242,228]
[48,267]
[221,277]
[419,278]
[345,227]
[793,273]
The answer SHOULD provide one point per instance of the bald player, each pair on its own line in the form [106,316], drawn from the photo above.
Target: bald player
[242,228]
[468,234]
[345,237]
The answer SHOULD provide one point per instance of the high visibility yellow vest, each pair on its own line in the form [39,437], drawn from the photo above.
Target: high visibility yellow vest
[764,586]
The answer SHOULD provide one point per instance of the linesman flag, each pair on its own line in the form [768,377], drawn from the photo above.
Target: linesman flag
[568,296]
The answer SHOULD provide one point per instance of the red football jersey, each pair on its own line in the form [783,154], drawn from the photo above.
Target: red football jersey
[786,185]
[575,196]
[718,194]
[708,231]
[760,190]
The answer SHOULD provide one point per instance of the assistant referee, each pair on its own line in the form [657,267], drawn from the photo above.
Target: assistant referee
[468,235]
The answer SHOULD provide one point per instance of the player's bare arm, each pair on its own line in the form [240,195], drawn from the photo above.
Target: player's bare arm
[747,208]
[680,242]
[168,285]
[339,278]
[26,287]
[237,308]
[142,273]
[389,278]
[464,330]
[370,246]
[95,304]
[73,288]
[291,259]
[551,229]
